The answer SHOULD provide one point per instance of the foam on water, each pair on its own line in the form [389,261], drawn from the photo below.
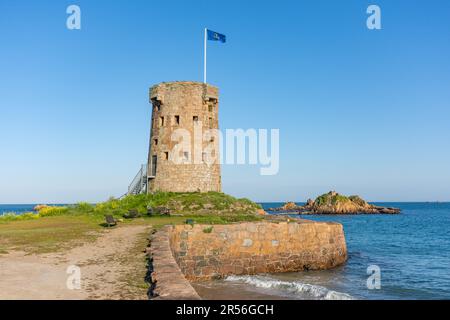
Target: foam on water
[292,287]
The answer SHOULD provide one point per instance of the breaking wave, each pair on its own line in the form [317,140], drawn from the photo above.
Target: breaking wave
[294,287]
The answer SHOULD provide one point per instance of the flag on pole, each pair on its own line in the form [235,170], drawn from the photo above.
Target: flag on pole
[215,36]
[212,36]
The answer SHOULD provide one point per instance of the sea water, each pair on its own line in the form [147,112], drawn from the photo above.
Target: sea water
[16,208]
[411,250]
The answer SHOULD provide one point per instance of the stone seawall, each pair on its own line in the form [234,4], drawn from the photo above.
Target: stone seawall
[168,282]
[207,252]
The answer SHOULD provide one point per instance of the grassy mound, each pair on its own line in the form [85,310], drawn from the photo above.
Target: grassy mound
[333,199]
[212,204]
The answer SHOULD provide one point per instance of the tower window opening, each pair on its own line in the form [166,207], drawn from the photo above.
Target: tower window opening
[210,123]
[210,108]
[177,120]
[154,164]
[156,104]
[161,121]
[166,155]
[186,156]
[195,118]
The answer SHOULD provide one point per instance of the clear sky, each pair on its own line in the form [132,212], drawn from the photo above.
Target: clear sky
[359,111]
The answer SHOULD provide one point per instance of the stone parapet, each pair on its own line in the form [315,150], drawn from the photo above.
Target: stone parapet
[207,252]
[168,282]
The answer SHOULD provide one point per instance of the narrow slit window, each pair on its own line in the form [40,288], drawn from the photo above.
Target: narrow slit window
[154,164]
[195,118]
[211,122]
[166,155]
[177,120]
[186,156]
[161,121]
[156,142]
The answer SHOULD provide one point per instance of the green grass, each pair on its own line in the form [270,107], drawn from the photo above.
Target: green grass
[46,235]
[160,221]
[56,233]
[56,228]
[328,199]
[211,203]
[186,204]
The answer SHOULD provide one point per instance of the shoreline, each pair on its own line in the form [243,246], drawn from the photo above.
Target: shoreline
[418,232]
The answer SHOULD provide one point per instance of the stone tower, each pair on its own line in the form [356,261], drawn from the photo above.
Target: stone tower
[183,108]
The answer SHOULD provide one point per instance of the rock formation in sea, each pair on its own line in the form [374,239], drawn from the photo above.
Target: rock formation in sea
[39,207]
[335,203]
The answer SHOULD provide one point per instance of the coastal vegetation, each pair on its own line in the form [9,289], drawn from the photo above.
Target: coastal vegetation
[212,204]
[51,228]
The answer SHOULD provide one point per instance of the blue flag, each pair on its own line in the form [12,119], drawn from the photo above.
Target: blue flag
[214,36]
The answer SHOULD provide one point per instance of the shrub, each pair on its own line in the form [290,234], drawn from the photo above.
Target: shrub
[52,211]
[18,217]
[84,207]
[208,230]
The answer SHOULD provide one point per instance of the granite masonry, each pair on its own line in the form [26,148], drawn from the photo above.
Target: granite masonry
[212,252]
[184,143]
[168,282]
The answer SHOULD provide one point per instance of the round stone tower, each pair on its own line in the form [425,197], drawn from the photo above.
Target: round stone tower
[183,154]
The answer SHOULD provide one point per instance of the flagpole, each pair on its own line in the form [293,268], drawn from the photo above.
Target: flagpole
[204,66]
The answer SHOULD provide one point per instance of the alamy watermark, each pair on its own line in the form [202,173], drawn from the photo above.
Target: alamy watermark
[374,20]
[374,279]
[235,146]
[73,22]
[74,279]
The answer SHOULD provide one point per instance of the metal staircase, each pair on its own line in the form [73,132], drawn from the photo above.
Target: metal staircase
[139,183]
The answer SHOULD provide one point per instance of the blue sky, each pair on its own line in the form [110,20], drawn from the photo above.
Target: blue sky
[359,111]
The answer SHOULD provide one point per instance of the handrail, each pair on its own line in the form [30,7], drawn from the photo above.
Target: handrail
[139,184]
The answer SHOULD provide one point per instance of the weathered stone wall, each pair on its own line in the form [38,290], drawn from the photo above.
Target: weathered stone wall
[205,252]
[194,108]
[168,282]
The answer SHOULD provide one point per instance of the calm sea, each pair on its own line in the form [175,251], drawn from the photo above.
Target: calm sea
[19,208]
[16,208]
[412,251]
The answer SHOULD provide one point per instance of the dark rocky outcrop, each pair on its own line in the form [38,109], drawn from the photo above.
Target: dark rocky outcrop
[334,203]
